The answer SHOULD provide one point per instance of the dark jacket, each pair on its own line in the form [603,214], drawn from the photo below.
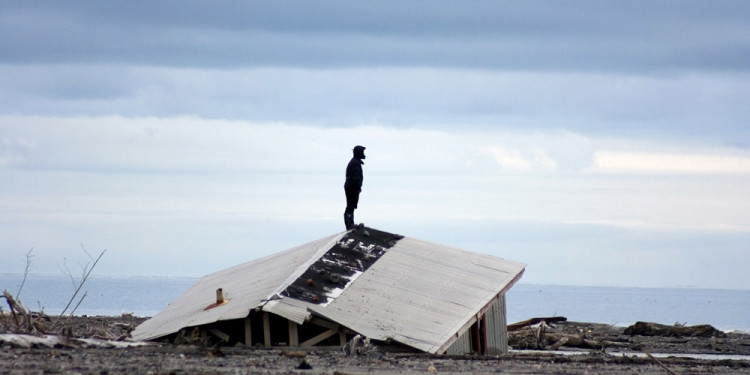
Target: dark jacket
[354,175]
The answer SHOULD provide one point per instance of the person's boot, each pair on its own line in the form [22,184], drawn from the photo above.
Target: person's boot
[349,220]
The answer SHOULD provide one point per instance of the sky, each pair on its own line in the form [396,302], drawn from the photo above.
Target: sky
[602,143]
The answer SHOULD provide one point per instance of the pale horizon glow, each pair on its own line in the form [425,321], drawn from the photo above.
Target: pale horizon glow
[611,161]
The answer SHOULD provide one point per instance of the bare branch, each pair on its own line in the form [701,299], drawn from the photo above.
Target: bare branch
[25,272]
[66,271]
[75,308]
[80,285]
[87,253]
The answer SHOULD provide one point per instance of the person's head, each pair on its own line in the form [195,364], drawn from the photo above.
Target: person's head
[359,152]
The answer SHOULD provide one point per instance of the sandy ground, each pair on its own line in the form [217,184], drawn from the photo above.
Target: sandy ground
[78,357]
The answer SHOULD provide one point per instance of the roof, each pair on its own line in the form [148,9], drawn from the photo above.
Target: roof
[381,285]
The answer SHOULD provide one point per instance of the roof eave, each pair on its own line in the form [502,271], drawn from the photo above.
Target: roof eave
[478,315]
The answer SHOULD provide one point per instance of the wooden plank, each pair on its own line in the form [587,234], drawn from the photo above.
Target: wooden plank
[248,332]
[503,344]
[319,338]
[324,323]
[342,338]
[462,345]
[293,336]
[330,325]
[266,330]
[465,328]
[532,321]
[219,334]
[495,329]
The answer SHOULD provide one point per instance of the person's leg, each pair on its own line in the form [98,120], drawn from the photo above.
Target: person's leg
[352,198]
[349,219]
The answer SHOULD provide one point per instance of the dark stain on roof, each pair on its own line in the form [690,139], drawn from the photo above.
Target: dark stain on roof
[355,252]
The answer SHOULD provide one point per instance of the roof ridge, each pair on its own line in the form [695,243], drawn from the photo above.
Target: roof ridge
[276,294]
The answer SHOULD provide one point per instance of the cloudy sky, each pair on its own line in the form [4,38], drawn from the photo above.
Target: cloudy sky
[600,142]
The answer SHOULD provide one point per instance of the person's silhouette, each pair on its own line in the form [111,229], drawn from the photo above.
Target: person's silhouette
[353,184]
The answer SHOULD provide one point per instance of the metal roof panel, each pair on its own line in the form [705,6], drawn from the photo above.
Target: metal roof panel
[415,292]
[421,294]
[246,286]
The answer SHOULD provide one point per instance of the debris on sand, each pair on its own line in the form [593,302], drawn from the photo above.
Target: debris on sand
[657,338]
[655,329]
[725,355]
[358,345]
[18,340]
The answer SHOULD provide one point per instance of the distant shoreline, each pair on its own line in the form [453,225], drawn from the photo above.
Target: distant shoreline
[19,275]
[725,309]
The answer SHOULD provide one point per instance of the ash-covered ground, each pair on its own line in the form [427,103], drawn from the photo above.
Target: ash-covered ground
[80,358]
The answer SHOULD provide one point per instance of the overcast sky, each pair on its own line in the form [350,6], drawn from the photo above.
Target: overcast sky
[600,142]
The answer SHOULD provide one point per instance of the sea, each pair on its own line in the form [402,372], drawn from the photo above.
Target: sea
[727,310]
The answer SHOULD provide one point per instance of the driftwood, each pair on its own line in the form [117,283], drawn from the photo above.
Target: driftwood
[533,321]
[55,341]
[532,339]
[556,340]
[15,306]
[655,329]
[20,320]
[537,334]
[658,362]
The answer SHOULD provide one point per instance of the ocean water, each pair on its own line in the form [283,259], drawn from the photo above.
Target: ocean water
[110,296]
[727,310]
[145,296]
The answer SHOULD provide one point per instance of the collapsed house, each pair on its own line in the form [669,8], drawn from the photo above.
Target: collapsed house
[392,289]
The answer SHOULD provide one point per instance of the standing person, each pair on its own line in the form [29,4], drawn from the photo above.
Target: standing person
[353,184]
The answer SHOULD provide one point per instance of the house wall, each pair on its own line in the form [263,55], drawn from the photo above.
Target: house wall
[497,329]
[462,345]
[266,329]
[496,332]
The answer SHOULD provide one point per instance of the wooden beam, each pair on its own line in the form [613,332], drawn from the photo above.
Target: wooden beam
[319,338]
[342,338]
[293,336]
[324,323]
[204,335]
[266,330]
[248,332]
[219,334]
[330,325]
[532,321]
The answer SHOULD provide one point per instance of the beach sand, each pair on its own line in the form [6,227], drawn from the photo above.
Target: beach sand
[725,356]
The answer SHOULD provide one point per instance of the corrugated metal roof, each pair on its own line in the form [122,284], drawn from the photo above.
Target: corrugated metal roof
[417,293]
[421,294]
[246,286]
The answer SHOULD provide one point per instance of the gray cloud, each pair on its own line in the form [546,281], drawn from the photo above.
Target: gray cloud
[693,106]
[605,131]
[673,69]
[584,35]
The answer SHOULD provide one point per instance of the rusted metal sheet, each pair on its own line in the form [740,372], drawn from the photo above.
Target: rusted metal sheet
[422,294]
